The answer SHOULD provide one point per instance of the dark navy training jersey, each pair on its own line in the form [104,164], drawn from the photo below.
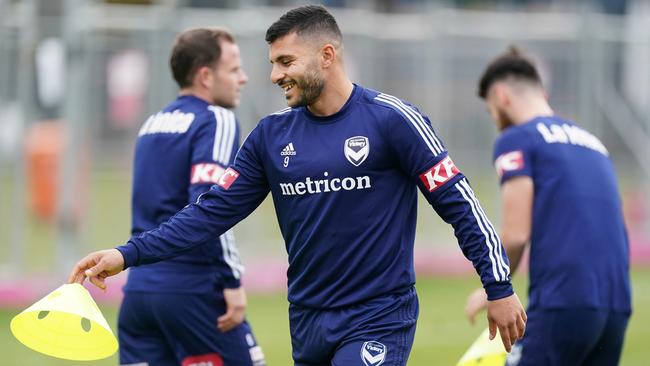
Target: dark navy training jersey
[181,151]
[579,248]
[345,194]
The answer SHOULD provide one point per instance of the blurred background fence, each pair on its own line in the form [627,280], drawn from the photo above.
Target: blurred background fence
[77,78]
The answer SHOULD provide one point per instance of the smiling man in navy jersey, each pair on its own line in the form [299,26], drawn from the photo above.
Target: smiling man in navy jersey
[559,192]
[344,165]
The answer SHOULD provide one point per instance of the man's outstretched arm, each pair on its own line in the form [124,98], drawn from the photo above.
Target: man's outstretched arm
[215,212]
[239,191]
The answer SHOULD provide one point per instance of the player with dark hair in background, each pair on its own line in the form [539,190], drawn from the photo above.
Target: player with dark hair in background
[188,309]
[559,192]
[344,164]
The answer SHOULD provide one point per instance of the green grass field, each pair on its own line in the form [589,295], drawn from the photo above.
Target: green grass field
[442,336]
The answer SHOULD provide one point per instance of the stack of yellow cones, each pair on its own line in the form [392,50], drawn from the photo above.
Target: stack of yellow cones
[66,324]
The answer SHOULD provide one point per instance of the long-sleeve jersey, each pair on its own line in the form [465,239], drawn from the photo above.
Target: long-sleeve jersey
[345,193]
[180,153]
[579,252]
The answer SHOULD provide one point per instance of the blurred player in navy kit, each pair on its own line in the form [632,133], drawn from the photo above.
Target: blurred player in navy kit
[559,193]
[351,278]
[188,309]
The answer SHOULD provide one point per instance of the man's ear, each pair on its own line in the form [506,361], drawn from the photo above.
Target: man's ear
[502,94]
[328,55]
[203,76]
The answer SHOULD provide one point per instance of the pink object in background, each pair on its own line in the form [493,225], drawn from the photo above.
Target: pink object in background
[127,83]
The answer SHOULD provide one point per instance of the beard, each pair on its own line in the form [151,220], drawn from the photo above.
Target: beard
[504,120]
[310,86]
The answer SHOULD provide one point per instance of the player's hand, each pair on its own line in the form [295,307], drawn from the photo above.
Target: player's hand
[235,309]
[97,266]
[476,302]
[508,315]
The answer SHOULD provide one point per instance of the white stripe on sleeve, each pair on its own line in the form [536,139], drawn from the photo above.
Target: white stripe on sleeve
[488,225]
[230,137]
[282,111]
[230,253]
[426,127]
[218,134]
[428,130]
[224,135]
[224,138]
[434,149]
[497,271]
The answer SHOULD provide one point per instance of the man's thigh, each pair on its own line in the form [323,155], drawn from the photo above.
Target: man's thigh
[379,331]
[188,326]
[141,340]
[387,350]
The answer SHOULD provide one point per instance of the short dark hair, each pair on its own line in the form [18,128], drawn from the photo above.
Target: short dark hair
[309,19]
[510,64]
[195,48]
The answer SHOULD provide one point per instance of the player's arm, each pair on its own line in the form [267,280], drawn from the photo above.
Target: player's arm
[513,160]
[240,190]
[517,203]
[423,157]
[479,242]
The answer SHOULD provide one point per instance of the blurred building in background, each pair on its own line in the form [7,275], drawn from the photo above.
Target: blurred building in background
[78,77]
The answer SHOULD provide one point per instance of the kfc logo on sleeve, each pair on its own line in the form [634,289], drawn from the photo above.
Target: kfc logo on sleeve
[510,161]
[440,174]
[228,178]
[206,173]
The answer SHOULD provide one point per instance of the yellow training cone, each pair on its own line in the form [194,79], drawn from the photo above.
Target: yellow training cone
[484,352]
[66,324]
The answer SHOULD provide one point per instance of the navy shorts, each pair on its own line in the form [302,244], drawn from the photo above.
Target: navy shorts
[379,331]
[160,329]
[570,337]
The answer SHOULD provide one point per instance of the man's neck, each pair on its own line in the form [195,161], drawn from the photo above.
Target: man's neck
[201,94]
[530,110]
[333,97]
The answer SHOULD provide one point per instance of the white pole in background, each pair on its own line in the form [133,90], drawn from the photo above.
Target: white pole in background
[74,121]
[25,92]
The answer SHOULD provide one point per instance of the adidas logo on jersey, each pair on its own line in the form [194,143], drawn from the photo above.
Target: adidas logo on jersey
[288,150]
